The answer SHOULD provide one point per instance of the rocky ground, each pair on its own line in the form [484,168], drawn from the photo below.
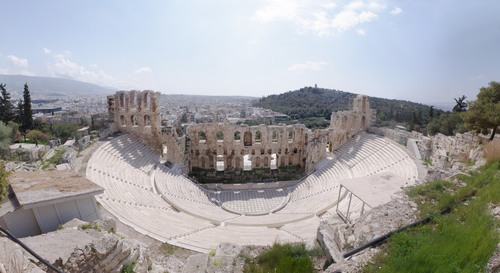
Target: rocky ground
[340,238]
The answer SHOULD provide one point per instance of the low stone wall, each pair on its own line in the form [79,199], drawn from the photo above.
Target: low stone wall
[449,152]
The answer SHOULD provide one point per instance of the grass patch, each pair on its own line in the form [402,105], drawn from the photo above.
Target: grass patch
[282,258]
[461,241]
[128,268]
[168,249]
[90,226]
[53,160]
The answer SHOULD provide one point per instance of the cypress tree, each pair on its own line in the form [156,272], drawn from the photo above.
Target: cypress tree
[6,114]
[27,114]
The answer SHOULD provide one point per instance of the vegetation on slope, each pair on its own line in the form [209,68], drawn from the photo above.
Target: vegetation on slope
[3,181]
[311,102]
[283,258]
[462,241]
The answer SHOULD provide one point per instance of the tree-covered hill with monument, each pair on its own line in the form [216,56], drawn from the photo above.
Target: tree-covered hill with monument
[313,107]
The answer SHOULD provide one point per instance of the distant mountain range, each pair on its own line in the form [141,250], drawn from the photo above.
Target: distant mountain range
[51,86]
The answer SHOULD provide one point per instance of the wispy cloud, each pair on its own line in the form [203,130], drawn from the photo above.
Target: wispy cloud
[63,67]
[18,62]
[19,65]
[46,50]
[143,70]
[320,17]
[396,11]
[307,66]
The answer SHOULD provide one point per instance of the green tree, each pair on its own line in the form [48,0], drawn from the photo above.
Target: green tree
[484,113]
[5,139]
[63,130]
[35,136]
[6,113]
[448,123]
[27,114]
[461,105]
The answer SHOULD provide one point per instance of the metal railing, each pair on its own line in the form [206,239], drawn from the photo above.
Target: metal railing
[349,195]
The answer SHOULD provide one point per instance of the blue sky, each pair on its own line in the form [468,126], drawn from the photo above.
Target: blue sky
[420,50]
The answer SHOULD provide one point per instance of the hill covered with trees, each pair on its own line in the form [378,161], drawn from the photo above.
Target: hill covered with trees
[314,106]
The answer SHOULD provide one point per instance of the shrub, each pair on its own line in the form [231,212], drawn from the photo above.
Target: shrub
[128,268]
[492,151]
[282,258]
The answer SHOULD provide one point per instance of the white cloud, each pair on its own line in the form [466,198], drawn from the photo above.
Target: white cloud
[320,17]
[18,62]
[46,50]
[361,32]
[63,67]
[307,66]
[396,11]
[143,70]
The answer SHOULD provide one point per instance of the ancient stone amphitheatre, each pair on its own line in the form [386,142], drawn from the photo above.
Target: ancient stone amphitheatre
[161,202]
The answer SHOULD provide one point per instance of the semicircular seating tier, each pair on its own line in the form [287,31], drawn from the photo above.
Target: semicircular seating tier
[159,202]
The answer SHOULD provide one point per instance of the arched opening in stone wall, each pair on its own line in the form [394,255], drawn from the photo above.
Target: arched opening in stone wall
[122,100]
[164,150]
[247,162]
[132,100]
[290,136]
[146,99]
[220,163]
[274,162]
[133,120]
[328,147]
[237,136]
[258,137]
[202,162]
[147,120]
[202,137]
[257,162]
[220,136]
[274,137]
[363,122]
[266,162]
[247,139]
[122,121]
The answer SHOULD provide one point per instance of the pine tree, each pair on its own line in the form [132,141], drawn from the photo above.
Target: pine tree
[483,114]
[6,114]
[27,114]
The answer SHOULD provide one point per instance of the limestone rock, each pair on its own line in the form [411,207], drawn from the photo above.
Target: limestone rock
[14,259]
[337,239]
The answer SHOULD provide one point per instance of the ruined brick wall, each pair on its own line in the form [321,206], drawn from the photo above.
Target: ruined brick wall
[223,146]
[263,144]
[346,124]
[137,113]
[442,151]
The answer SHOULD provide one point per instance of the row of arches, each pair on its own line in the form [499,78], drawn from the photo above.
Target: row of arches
[135,99]
[248,138]
[246,162]
[133,120]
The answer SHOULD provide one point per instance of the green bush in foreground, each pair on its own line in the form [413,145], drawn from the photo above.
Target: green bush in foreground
[461,241]
[286,258]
